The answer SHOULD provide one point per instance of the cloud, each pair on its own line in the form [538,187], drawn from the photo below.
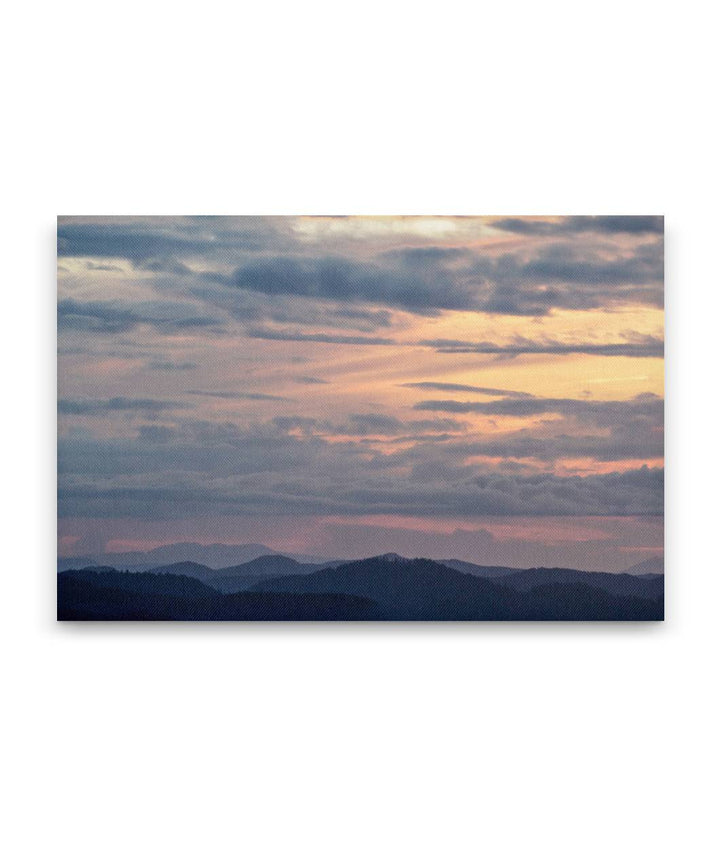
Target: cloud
[359,450]
[309,381]
[240,396]
[612,225]
[569,275]
[373,423]
[336,278]
[621,443]
[609,435]
[254,306]
[563,274]
[171,366]
[327,338]
[110,405]
[599,412]
[640,346]
[99,316]
[403,286]
[148,240]
[95,266]
[265,491]
[155,434]
[205,469]
[199,452]
[366,424]
[263,256]
[597,430]
[164,265]
[461,387]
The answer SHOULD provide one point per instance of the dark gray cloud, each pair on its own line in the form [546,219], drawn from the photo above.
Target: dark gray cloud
[365,424]
[164,265]
[309,381]
[373,423]
[563,274]
[155,433]
[418,258]
[122,241]
[598,430]
[633,493]
[639,346]
[614,434]
[569,275]
[99,316]
[239,396]
[596,412]
[461,387]
[327,338]
[567,262]
[254,306]
[109,405]
[304,423]
[189,451]
[613,225]
[202,468]
[424,290]
[621,443]
[161,240]
[570,270]
[171,365]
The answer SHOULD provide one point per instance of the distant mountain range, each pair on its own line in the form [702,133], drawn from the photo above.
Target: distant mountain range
[213,555]
[240,577]
[654,565]
[226,556]
[388,587]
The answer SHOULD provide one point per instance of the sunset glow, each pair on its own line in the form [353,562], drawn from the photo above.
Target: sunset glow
[489,389]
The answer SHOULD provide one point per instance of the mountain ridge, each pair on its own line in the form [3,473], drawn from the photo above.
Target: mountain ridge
[215,556]
[376,589]
[422,589]
[653,565]
[219,556]
[384,587]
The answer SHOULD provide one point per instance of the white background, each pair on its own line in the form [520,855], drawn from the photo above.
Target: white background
[354,739]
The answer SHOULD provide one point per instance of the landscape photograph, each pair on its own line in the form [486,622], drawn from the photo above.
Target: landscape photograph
[340,418]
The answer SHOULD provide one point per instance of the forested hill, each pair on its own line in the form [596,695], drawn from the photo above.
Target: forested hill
[386,587]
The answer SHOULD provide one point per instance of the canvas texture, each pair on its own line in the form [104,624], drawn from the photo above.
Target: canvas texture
[310,418]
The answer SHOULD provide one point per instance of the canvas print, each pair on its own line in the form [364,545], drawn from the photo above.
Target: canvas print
[360,418]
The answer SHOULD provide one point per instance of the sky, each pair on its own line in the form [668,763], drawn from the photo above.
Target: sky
[482,388]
